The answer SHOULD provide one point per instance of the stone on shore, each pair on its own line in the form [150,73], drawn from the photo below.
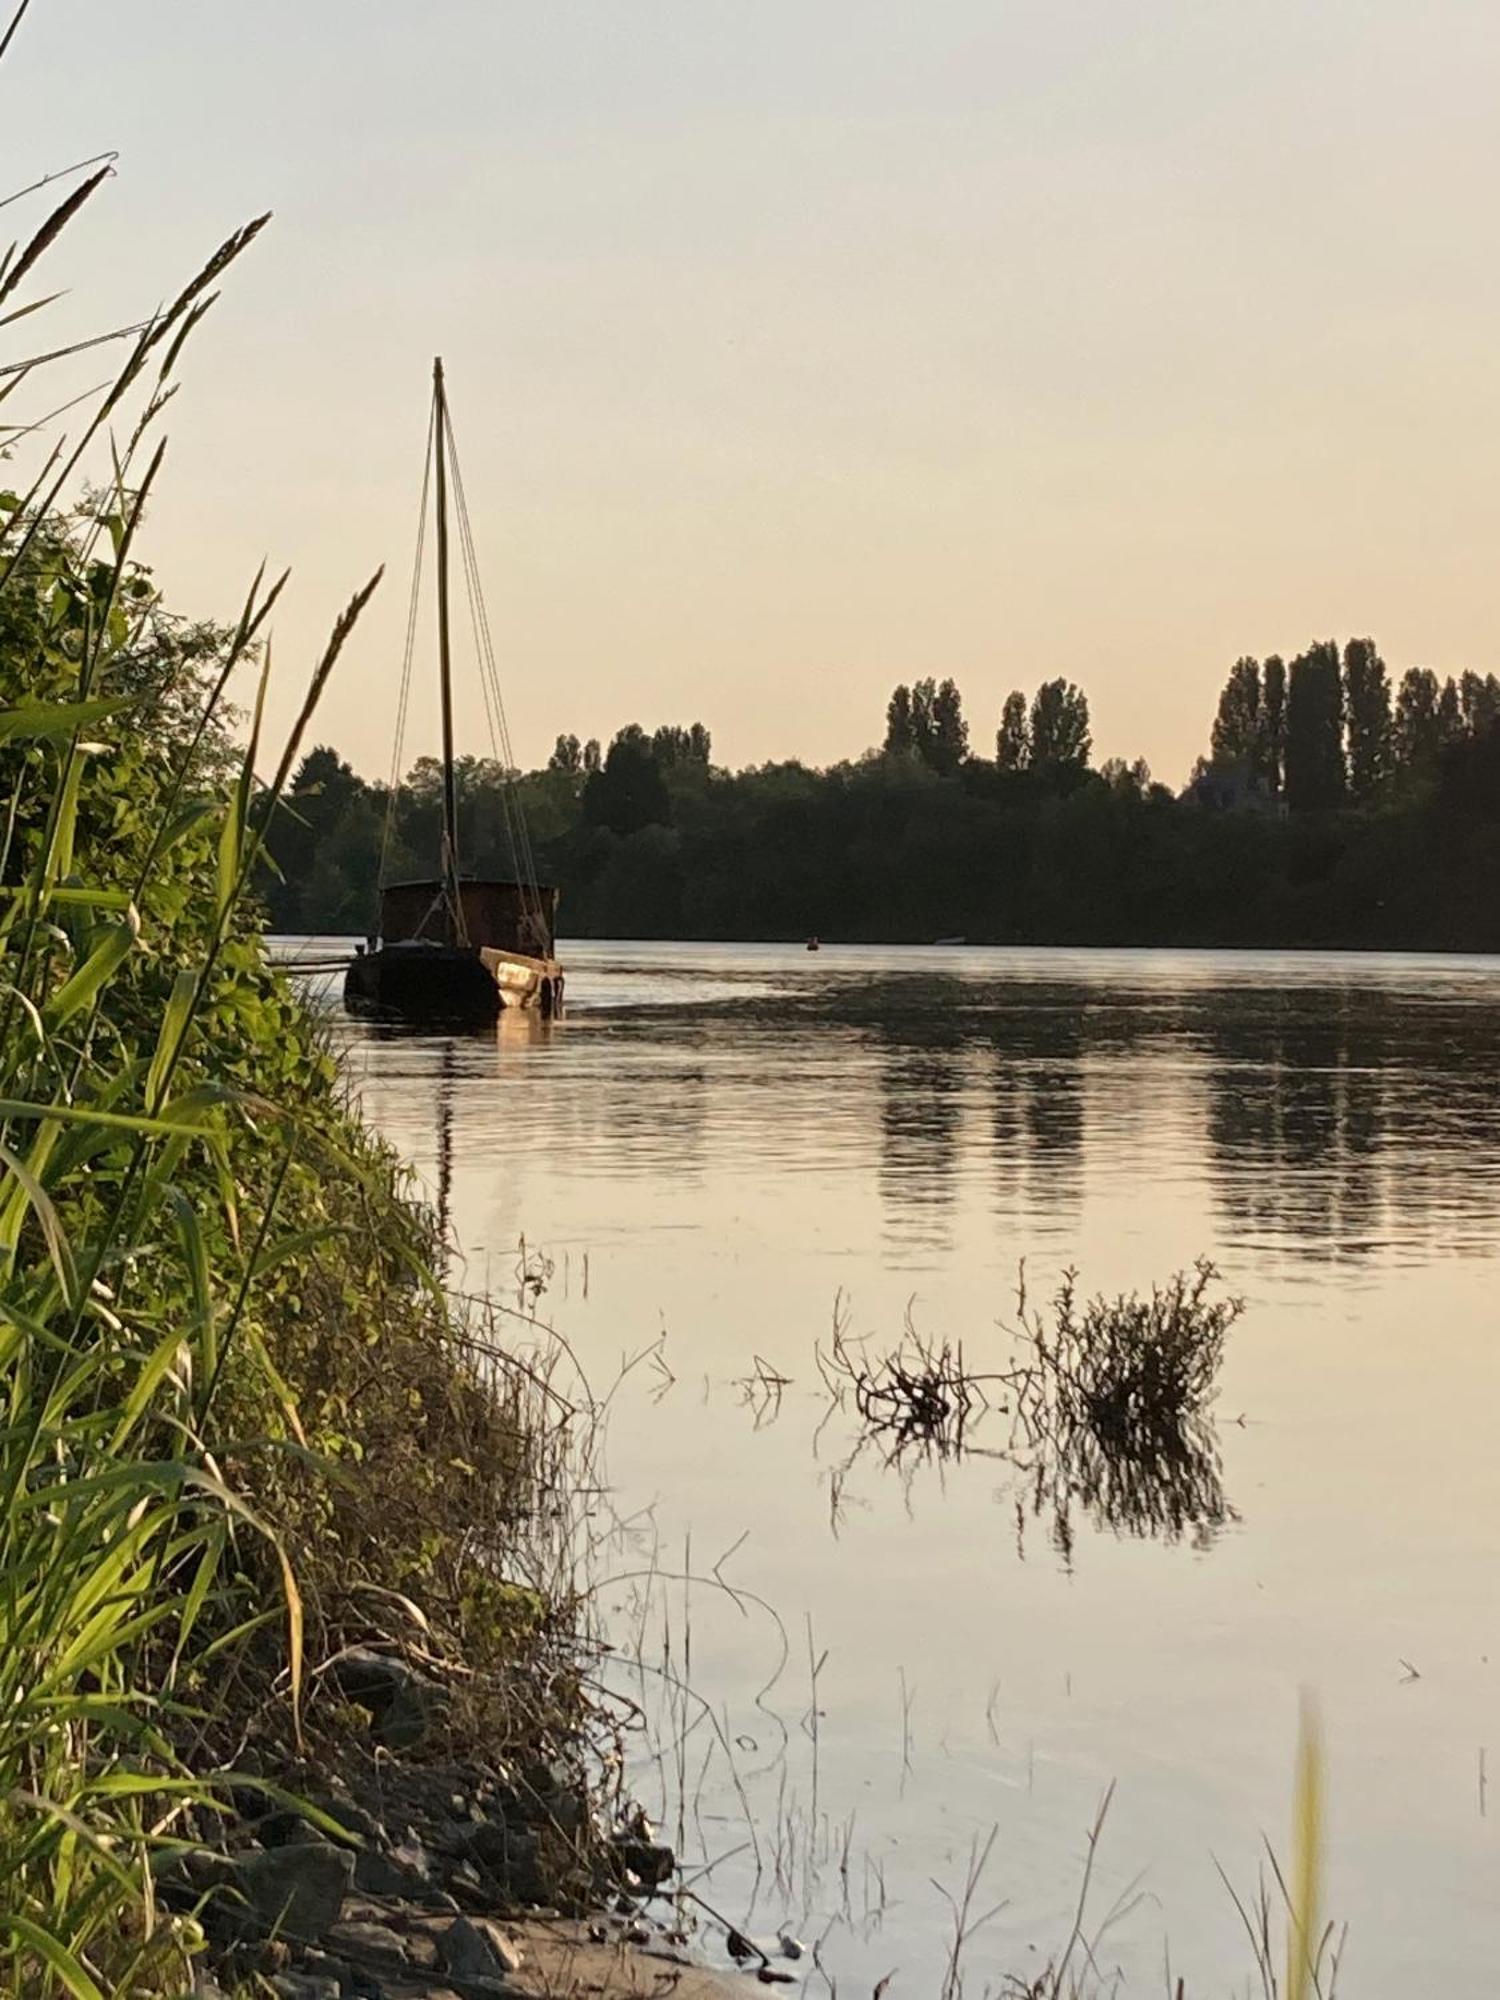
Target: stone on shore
[298,1890]
[477,1948]
[405,1706]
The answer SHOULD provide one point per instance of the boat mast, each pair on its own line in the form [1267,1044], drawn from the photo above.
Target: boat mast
[445,664]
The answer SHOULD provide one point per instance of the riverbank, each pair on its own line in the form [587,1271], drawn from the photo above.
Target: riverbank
[251,1441]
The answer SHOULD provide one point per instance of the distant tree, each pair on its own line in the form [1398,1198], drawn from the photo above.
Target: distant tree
[1468,774]
[1271,753]
[1060,738]
[948,737]
[923,724]
[1013,738]
[627,792]
[1367,718]
[1479,703]
[567,755]
[1238,727]
[591,756]
[1415,736]
[672,745]
[1450,719]
[324,796]
[1314,730]
[900,736]
[1127,781]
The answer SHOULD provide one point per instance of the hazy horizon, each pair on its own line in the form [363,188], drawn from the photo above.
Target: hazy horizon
[793,356]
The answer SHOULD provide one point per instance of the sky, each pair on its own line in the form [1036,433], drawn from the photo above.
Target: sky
[800,349]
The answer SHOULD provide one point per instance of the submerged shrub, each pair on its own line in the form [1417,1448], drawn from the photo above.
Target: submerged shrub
[1134,1371]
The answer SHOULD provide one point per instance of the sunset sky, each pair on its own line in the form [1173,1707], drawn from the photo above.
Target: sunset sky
[800,349]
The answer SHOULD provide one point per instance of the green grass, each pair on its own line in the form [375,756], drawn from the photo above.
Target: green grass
[241,1423]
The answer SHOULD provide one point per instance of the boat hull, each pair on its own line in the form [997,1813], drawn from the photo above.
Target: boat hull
[449,985]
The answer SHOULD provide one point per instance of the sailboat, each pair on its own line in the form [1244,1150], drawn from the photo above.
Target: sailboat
[454,948]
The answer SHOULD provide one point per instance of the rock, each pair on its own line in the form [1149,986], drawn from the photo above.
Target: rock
[566,1808]
[188,1878]
[359,1940]
[286,1827]
[647,1860]
[395,1871]
[509,1856]
[299,1890]
[477,1948]
[366,1910]
[305,1986]
[405,1706]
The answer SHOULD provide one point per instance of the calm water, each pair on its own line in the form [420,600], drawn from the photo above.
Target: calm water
[723,1149]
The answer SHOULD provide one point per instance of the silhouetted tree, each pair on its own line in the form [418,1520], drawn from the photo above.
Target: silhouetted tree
[627,793]
[673,745]
[654,841]
[1060,738]
[324,799]
[1271,754]
[1238,726]
[948,738]
[1013,737]
[1414,731]
[1469,773]
[1129,781]
[1367,718]
[1314,730]
[923,725]
[1479,703]
[1450,718]
[900,736]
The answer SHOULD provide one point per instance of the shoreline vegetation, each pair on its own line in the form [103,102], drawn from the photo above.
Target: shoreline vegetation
[290,1608]
[1336,809]
[299,1693]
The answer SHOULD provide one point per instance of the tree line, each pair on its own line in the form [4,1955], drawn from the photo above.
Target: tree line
[1331,807]
[1326,730]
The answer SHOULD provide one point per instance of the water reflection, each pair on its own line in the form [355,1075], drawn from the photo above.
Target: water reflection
[1330,1121]
[1325,1113]
[921,1113]
[1171,1493]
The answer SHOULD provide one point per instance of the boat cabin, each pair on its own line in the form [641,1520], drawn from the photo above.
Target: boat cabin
[500,916]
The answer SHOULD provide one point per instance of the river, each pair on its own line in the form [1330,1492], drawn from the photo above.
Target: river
[723,1152]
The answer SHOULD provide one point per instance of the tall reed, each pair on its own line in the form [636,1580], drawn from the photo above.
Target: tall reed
[128,1244]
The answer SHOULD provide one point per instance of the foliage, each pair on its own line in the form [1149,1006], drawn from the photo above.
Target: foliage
[1367,718]
[1236,737]
[238,1412]
[1060,739]
[1314,762]
[1013,737]
[926,722]
[885,847]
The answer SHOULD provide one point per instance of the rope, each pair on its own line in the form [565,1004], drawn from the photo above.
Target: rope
[394,787]
[523,860]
